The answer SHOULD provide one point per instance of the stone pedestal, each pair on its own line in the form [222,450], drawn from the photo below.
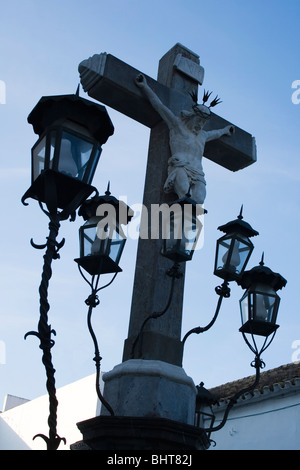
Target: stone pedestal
[144,388]
[121,433]
[154,409]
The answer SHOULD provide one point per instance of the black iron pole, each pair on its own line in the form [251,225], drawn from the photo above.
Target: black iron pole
[45,332]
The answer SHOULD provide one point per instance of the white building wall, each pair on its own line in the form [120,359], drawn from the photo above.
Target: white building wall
[267,421]
[77,402]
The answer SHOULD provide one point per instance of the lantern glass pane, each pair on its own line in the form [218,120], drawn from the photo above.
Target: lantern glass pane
[93,165]
[52,148]
[176,224]
[191,234]
[38,158]
[264,307]
[232,255]
[222,254]
[98,239]
[74,155]
[101,238]
[181,235]
[101,246]
[244,306]
[116,248]
[89,240]
[115,243]
[259,306]
[259,311]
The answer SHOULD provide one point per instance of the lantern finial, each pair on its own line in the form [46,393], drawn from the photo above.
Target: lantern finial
[240,216]
[262,259]
[107,192]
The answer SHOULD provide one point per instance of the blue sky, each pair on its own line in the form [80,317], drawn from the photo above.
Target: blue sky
[250,54]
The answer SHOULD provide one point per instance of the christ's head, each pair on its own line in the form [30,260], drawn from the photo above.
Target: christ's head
[200,114]
[196,119]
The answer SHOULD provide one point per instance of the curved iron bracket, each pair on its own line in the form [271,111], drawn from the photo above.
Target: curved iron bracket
[92,301]
[224,292]
[258,364]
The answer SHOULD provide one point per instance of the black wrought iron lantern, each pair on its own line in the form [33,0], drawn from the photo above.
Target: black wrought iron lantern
[102,238]
[259,305]
[204,400]
[234,249]
[71,132]
[181,229]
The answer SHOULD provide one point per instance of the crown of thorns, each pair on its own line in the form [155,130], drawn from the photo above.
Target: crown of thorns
[205,98]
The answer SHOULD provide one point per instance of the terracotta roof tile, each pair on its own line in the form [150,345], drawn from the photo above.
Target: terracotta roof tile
[280,375]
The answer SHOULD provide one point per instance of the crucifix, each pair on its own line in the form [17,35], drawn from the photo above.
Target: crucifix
[116,84]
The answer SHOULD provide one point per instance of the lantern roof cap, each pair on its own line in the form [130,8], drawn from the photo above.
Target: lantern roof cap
[89,207]
[88,114]
[240,226]
[264,275]
[204,396]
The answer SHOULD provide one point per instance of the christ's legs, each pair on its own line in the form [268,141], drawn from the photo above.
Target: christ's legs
[198,192]
[181,183]
[182,187]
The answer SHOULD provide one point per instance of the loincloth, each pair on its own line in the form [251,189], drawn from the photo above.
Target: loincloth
[194,175]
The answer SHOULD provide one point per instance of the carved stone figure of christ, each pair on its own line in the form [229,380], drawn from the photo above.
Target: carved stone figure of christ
[187,140]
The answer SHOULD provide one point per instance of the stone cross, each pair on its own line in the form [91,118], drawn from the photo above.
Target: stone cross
[112,82]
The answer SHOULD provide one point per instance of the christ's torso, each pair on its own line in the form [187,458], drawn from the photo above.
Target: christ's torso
[187,146]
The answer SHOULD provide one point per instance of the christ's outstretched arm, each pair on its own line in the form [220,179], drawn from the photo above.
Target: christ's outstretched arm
[164,112]
[217,133]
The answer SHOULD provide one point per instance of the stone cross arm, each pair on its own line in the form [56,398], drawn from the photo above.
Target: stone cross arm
[112,82]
